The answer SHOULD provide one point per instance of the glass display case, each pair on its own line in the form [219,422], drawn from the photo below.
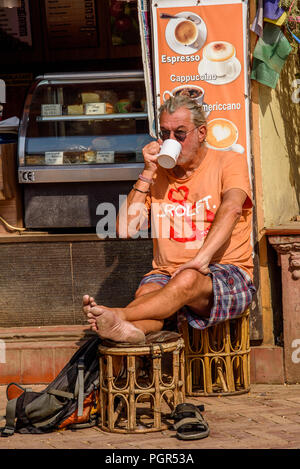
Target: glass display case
[82,127]
[80,143]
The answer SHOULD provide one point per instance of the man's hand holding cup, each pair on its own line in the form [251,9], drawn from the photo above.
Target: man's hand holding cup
[150,152]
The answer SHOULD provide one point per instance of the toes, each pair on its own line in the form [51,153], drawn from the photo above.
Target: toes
[91,321]
[97,310]
[86,300]
[87,303]
[91,315]
[86,310]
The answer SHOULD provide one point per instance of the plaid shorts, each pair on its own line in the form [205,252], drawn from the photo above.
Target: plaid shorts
[232,289]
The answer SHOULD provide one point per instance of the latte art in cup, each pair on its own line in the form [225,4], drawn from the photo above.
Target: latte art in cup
[186,32]
[221,133]
[219,51]
[219,58]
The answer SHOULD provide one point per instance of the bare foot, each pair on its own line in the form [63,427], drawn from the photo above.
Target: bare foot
[108,323]
[110,326]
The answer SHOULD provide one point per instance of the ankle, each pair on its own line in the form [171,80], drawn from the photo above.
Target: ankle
[121,312]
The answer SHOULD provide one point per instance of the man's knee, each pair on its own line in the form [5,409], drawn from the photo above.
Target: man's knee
[147,288]
[198,289]
[191,280]
[189,277]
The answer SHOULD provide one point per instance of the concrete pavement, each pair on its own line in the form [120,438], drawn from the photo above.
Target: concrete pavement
[266,418]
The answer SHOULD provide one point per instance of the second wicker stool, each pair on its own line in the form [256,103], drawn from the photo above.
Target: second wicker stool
[217,359]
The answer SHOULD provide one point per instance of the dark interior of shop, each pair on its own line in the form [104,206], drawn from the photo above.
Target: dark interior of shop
[69,37]
[98,35]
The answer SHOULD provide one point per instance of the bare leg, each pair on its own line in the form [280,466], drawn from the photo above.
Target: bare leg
[146,325]
[189,287]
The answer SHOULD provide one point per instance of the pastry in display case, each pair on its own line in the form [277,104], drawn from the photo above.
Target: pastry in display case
[82,128]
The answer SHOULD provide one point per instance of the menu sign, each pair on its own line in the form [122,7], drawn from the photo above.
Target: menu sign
[15,23]
[200,50]
[71,24]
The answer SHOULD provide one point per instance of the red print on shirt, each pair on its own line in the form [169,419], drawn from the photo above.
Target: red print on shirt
[178,191]
[174,196]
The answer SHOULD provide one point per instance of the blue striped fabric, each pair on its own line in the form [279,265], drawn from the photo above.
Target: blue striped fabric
[233,291]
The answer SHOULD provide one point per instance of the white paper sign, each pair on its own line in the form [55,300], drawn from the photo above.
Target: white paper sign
[105,157]
[95,108]
[51,109]
[54,157]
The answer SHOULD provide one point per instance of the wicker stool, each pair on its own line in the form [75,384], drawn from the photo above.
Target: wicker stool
[133,400]
[217,359]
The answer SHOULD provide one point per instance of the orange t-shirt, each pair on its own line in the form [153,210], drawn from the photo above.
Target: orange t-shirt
[182,211]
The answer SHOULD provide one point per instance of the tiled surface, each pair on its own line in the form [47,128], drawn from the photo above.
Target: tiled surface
[266,418]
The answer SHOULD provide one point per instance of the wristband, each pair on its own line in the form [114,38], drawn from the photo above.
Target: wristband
[142,178]
[138,190]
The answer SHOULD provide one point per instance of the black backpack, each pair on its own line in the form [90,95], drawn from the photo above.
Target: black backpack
[70,401]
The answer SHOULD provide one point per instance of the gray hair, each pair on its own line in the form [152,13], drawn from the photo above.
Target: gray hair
[176,102]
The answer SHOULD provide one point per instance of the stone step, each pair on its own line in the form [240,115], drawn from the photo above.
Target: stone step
[35,355]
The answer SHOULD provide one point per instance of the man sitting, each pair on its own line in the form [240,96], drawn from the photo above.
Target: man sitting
[205,272]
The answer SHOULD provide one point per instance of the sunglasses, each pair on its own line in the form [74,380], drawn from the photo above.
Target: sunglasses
[180,135]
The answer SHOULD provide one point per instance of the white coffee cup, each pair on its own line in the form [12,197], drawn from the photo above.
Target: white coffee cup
[185,32]
[222,134]
[218,56]
[186,89]
[169,153]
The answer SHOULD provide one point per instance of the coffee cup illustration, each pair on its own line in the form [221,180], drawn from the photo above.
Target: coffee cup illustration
[222,134]
[219,58]
[186,32]
[193,91]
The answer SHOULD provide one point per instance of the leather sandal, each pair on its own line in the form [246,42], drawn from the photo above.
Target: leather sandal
[189,422]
